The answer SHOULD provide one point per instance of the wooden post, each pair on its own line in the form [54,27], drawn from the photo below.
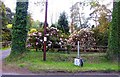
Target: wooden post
[45,25]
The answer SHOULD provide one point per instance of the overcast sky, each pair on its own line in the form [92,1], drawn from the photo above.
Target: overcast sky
[55,7]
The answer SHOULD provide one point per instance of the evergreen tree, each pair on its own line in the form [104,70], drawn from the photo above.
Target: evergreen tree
[114,36]
[19,33]
[63,23]
[4,20]
[3,15]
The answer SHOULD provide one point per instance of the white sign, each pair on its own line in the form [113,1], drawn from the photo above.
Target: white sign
[45,38]
[77,61]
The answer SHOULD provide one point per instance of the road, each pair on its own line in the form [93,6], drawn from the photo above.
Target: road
[4,53]
[88,74]
[79,75]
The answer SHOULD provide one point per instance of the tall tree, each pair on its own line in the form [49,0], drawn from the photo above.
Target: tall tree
[5,18]
[63,23]
[3,15]
[78,14]
[19,33]
[102,17]
[100,11]
[114,36]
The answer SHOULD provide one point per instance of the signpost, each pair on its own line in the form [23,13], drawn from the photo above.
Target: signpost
[78,61]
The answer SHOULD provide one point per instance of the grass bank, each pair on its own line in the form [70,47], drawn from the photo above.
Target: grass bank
[60,62]
[4,48]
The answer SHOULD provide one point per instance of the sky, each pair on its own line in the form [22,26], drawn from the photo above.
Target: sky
[55,7]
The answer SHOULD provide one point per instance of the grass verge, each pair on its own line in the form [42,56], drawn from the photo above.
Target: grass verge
[4,48]
[60,62]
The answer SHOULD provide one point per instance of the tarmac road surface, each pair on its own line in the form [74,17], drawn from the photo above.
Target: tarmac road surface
[94,74]
[4,53]
[60,76]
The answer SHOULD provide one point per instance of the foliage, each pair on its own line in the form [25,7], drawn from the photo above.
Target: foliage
[35,40]
[55,39]
[113,43]
[85,36]
[101,36]
[5,18]
[37,24]
[104,23]
[6,35]
[63,23]
[32,30]
[30,22]
[9,26]
[19,32]
[100,14]
[102,17]
[3,15]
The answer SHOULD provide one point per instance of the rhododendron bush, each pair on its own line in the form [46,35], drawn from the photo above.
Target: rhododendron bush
[55,39]
[84,36]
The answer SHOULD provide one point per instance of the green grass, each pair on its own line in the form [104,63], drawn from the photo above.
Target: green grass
[69,67]
[5,48]
[64,62]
